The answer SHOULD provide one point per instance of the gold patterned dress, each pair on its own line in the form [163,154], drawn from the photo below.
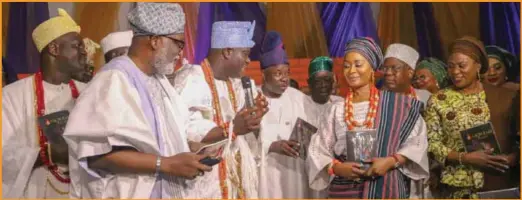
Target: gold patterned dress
[448,112]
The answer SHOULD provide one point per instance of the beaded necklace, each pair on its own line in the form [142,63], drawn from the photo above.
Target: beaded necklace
[218,119]
[372,112]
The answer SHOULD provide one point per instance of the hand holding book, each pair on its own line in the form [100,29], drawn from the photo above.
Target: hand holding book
[285,147]
[486,160]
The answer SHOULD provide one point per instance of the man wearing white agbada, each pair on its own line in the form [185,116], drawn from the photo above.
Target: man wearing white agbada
[127,133]
[28,169]
[283,172]
[399,67]
[216,100]
[116,44]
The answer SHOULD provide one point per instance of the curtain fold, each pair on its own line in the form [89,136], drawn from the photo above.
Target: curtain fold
[456,20]
[5,22]
[396,24]
[427,31]
[191,17]
[300,27]
[344,21]
[500,25]
[22,57]
[96,20]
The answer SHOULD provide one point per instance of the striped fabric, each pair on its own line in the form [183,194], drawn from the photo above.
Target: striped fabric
[396,117]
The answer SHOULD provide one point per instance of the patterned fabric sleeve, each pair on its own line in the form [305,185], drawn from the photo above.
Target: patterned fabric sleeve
[321,149]
[436,137]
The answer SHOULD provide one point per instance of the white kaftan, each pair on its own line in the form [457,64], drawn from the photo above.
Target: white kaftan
[330,140]
[282,176]
[20,140]
[190,83]
[110,113]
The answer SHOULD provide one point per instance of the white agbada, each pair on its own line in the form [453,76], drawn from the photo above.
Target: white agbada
[20,145]
[282,176]
[108,114]
[190,83]
[328,142]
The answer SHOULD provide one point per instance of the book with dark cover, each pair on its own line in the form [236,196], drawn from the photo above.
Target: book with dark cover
[512,193]
[361,146]
[302,133]
[53,126]
[481,137]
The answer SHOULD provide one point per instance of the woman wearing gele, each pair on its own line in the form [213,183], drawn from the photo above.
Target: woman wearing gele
[466,104]
[401,150]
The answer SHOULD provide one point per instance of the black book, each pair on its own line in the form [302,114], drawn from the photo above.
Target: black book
[512,193]
[302,133]
[481,137]
[53,126]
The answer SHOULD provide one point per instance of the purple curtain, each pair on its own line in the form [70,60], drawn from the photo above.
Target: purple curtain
[22,55]
[427,31]
[212,12]
[345,21]
[500,25]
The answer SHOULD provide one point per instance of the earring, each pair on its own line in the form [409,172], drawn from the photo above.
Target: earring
[372,77]
[437,84]
[478,76]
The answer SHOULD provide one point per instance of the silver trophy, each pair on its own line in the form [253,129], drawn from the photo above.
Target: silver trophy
[361,146]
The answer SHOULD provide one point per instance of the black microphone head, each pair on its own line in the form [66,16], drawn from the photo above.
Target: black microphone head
[245,81]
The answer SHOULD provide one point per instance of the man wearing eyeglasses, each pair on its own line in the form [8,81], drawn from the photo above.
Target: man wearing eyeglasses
[127,133]
[398,69]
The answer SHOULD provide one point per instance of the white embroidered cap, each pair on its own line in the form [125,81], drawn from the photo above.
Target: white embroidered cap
[116,40]
[404,53]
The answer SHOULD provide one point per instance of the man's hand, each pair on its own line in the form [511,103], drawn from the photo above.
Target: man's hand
[184,165]
[285,147]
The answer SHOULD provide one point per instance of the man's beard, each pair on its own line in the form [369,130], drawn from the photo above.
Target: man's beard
[161,65]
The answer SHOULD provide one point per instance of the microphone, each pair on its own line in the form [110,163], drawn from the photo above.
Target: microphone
[249,95]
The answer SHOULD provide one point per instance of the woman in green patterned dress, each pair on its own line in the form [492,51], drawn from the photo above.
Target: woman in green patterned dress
[461,107]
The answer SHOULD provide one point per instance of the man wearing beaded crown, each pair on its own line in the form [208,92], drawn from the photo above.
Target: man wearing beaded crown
[35,166]
[216,100]
[399,65]
[127,134]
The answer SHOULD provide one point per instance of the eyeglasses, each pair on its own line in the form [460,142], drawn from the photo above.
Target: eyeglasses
[394,69]
[179,43]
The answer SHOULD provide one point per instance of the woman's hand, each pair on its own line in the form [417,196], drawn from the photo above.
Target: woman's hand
[380,166]
[486,160]
[349,170]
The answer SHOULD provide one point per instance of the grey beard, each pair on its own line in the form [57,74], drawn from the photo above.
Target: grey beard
[165,69]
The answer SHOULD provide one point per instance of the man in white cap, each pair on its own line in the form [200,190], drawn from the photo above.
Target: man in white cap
[127,136]
[116,44]
[399,66]
[216,100]
[29,169]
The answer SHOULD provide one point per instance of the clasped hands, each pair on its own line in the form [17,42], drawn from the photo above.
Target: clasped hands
[353,170]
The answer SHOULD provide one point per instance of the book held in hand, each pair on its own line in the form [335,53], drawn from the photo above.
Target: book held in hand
[481,137]
[53,126]
[302,134]
[361,146]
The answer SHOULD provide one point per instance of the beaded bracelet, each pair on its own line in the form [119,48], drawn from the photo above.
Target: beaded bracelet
[460,157]
[330,169]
